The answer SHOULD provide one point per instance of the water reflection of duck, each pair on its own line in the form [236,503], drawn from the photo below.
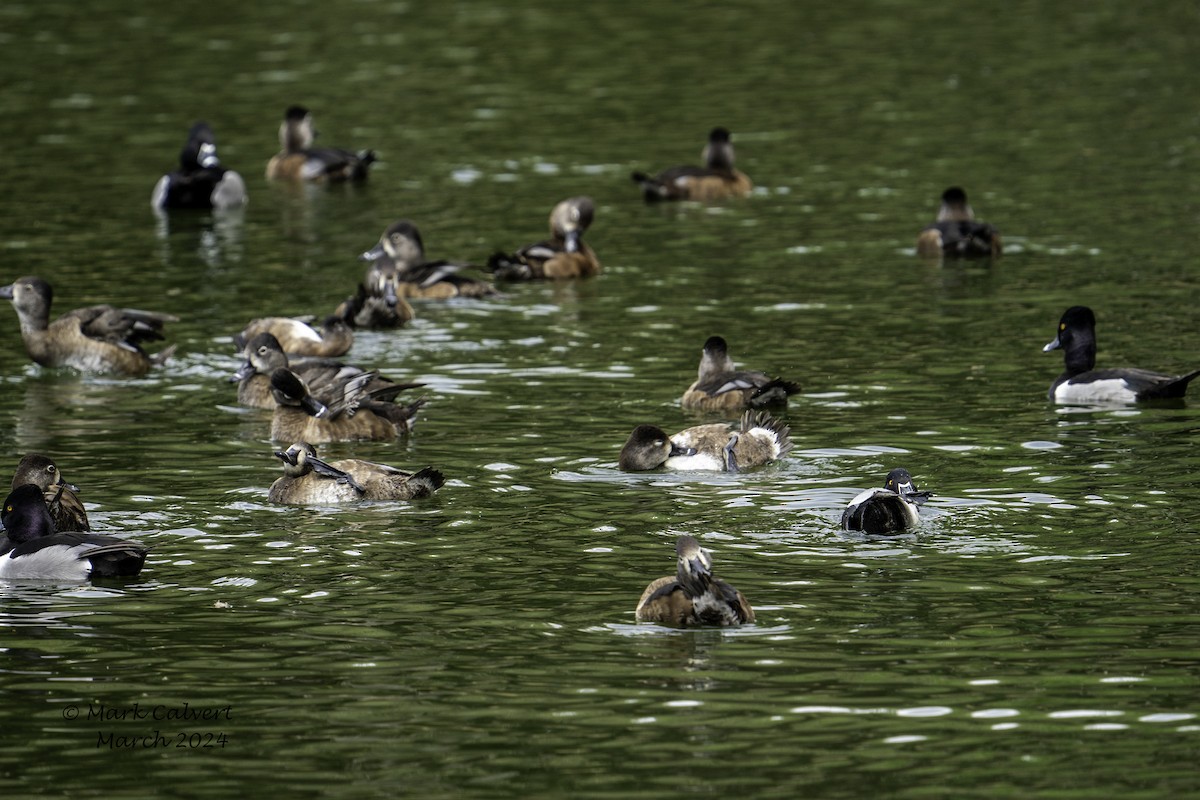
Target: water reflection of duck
[62,501]
[564,255]
[693,595]
[720,386]
[401,246]
[716,180]
[890,509]
[957,233]
[300,161]
[200,181]
[309,480]
[759,439]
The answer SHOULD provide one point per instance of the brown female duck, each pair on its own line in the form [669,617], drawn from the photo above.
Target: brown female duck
[564,255]
[345,411]
[401,246]
[334,337]
[693,596]
[65,507]
[716,180]
[758,440]
[309,480]
[300,161]
[956,233]
[721,386]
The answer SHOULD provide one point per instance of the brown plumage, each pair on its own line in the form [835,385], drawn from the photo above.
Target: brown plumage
[720,386]
[759,439]
[309,480]
[401,247]
[65,507]
[956,233]
[693,595]
[300,161]
[378,303]
[297,337]
[564,255]
[716,180]
[346,411]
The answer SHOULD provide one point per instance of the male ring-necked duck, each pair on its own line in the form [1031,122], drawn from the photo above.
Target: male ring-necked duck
[298,337]
[957,233]
[200,181]
[346,411]
[693,595]
[721,386]
[299,160]
[401,246]
[890,509]
[93,339]
[716,180]
[31,549]
[322,376]
[759,439]
[62,501]
[309,480]
[1080,383]
[564,255]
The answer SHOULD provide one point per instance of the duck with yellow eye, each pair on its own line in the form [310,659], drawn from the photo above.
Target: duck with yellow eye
[891,509]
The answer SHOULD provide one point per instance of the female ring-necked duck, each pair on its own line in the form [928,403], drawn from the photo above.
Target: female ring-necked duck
[31,549]
[264,355]
[346,411]
[956,233]
[1080,383]
[716,180]
[62,501]
[93,339]
[300,161]
[564,255]
[888,510]
[378,302]
[200,181]
[298,337]
[721,386]
[693,595]
[758,440]
[309,480]
[401,246]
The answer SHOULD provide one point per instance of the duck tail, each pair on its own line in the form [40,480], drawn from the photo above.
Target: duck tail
[505,267]
[426,481]
[1174,389]
[652,188]
[402,416]
[774,393]
[780,431]
[117,559]
[162,356]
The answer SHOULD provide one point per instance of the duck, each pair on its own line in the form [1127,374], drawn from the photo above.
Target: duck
[716,180]
[264,355]
[300,161]
[378,303]
[332,338]
[32,549]
[200,181]
[564,255]
[401,246]
[721,386]
[693,596]
[956,233]
[62,498]
[309,480]
[346,411]
[758,440]
[1081,383]
[93,339]
[892,509]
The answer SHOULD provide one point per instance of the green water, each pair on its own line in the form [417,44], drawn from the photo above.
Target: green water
[1038,636]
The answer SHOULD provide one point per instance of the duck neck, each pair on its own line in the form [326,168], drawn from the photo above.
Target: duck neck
[1080,357]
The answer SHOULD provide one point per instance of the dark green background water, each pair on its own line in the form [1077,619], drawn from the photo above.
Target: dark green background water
[1037,637]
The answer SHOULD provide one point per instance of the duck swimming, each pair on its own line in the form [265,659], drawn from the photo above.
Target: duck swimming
[346,411]
[564,255]
[693,596]
[716,180]
[400,246]
[298,337]
[721,386]
[956,233]
[300,161]
[309,480]
[62,501]
[891,509]
[200,181]
[758,440]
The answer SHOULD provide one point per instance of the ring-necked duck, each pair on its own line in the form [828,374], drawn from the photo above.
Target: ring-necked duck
[721,386]
[31,549]
[564,255]
[93,339]
[378,302]
[760,439]
[298,337]
[62,501]
[200,181]
[693,595]
[716,180]
[299,160]
[309,480]
[401,246]
[956,232]
[888,510]
[1080,383]
[264,355]
[345,412]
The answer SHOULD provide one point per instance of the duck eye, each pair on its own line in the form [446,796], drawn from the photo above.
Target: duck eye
[1062,326]
[50,469]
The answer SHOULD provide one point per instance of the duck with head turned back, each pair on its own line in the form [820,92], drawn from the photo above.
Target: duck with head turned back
[758,440]
[401,247]
[309,480]
[300,161]
[200,181]
[1082,383]
[62,501]
[346,411]
[378,303]
[956,233]
[93,339]
[563,255]
[891,509]
[334,337]
[32,550]
[721,386]
[693,596]
[716,180]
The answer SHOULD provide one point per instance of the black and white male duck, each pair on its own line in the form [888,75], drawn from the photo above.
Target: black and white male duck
[419,278]
[1080,383]
[200,181]
[716,180]
[309,480]
[93,339]
[721,386]
[346,411]
[563,255]
[300,161]
[32,550]
[758,440]
[956,233]
[693,596]
[891,509]
[62,498]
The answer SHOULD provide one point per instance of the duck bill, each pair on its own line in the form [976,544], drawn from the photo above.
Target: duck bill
[389,294]
[6,292]
[572,245]
[286,457]
[1057,343]
[679,450]
[243,372]
[314,407]
[374,254]
[697,568]
[329,471]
